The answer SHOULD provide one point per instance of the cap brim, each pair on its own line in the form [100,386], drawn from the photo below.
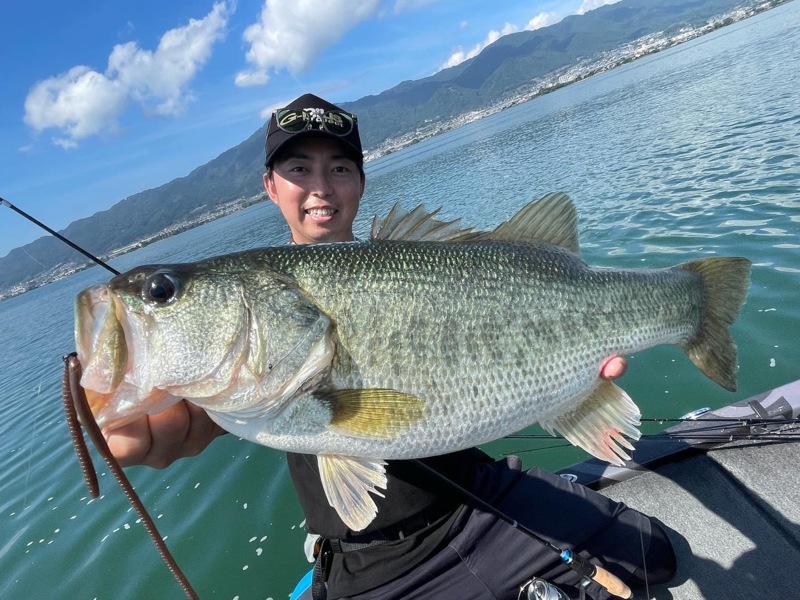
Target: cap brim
[285,137]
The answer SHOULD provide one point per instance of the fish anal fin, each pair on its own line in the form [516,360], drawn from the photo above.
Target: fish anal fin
[552,219]
[348,483]
[373,413]
[599,423]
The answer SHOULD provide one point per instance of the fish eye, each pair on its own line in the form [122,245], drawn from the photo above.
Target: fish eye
[161,288]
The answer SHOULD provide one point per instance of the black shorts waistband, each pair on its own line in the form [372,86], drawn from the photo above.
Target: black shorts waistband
[396,531]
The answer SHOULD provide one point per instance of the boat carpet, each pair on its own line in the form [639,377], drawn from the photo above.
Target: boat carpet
[733,515]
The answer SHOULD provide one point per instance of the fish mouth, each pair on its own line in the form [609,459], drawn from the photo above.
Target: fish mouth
[100,340]
[103,354]
[101,348]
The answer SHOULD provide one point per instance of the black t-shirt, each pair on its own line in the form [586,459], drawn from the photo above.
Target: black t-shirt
[410,490]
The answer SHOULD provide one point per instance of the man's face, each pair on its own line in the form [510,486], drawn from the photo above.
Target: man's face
[318,188]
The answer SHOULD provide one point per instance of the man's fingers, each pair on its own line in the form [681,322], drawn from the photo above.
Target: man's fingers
[159,440]
[130,443]
[613,368]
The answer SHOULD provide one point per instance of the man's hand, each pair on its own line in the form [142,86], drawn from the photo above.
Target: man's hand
[159,440]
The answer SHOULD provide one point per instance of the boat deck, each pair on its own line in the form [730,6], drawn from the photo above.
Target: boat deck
[732,512]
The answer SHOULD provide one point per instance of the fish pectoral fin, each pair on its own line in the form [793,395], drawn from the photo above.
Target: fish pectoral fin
[348,482]
[373,413]
[598,425]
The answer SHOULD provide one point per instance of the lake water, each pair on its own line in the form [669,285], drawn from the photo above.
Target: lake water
[688,153]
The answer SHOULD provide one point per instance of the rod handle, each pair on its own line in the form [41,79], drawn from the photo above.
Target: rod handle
[612,583]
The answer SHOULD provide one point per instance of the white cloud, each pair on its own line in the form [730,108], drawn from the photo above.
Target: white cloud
[460,55]
[80,102]
[83,102]
[290,35]
[162,77]
[544,19]
[592,4]
[266,112]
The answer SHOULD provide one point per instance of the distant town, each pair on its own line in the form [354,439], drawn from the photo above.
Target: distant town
[63,271]
[606,61]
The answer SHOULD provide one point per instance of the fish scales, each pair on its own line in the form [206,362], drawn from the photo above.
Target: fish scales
[402,347]
[508,330]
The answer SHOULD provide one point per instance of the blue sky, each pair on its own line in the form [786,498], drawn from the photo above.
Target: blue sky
[102,99]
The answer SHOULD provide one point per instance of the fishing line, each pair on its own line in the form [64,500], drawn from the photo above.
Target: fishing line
[644,563]
[72,245]
[700,436]
[77,410]
[30,445]
[33,258]
[585,569]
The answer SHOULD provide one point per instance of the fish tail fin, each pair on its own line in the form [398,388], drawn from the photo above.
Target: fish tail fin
[712,349]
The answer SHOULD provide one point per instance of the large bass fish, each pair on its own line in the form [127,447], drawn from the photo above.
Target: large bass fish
[424,340]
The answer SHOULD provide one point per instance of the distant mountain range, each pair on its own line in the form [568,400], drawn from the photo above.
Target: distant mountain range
[514,69]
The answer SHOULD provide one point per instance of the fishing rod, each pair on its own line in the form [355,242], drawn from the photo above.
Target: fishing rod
[585,569]
[733,421]
[71,244]
[759,428]
[777,435]
[706,432]
[78,413]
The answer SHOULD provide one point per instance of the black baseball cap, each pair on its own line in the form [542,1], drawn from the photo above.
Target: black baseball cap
[310,115]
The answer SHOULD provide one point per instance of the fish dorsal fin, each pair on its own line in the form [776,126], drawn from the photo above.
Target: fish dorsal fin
[419,225]
[552,219]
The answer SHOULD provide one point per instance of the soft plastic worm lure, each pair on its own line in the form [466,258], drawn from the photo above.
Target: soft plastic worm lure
[78,413]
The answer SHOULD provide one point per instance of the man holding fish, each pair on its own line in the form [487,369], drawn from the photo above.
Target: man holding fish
[420,540]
